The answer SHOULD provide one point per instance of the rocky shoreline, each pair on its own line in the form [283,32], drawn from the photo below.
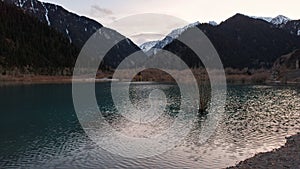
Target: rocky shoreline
[287,156]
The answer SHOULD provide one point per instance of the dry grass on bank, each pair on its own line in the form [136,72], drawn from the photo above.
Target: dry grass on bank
[233,76]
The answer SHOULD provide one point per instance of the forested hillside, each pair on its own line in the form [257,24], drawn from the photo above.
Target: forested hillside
[28,45]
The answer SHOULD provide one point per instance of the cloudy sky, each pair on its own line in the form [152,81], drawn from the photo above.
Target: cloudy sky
[107,11]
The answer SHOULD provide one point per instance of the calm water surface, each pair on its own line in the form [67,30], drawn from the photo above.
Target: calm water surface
[39,128]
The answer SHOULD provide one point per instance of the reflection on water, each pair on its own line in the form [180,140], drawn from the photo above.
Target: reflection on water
[39,127]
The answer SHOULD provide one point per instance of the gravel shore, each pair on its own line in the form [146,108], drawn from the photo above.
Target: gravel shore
[288,156]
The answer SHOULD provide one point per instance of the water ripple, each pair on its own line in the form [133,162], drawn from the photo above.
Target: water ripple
[257,119]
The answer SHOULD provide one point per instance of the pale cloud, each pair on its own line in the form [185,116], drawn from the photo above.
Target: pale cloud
[103,15]
[97,11]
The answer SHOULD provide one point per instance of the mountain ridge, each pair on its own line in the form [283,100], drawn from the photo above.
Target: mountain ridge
[279,21]
[78,29]
[254,43]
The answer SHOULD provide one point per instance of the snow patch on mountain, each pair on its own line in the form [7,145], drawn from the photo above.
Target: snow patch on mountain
[32,6]
[148,45]
[157,45]
[21,3]
[213,23]
[46,14]
[268,19]
[127,40]
[280,19]
[67,31]
[173,35]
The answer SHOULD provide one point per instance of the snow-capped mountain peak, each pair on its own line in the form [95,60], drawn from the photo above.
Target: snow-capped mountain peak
[175,33]
[148,45]
[283,22]
[213,23]
[268,19]
[168,39]
[280,19]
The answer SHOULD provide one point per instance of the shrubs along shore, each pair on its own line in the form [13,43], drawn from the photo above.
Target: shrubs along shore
[233,76]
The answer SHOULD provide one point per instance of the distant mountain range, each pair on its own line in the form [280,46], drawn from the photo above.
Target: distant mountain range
[241,41]
[77,29]
[282,22]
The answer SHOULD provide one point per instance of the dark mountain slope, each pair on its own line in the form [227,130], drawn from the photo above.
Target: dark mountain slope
[26,42]
[246,42]
[78,29]
[292,27]
[241,42]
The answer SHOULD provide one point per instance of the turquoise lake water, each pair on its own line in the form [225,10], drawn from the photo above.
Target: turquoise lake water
[39,128]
